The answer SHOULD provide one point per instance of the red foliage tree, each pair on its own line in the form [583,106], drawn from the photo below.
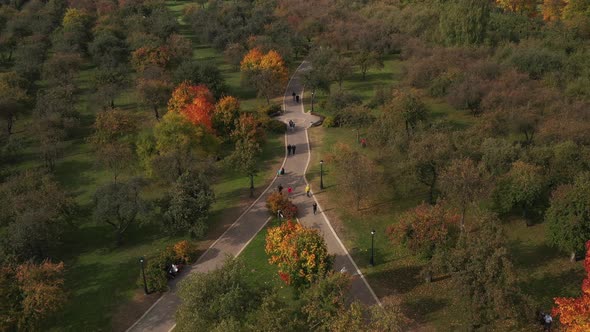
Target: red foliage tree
[194,102]
[574,313]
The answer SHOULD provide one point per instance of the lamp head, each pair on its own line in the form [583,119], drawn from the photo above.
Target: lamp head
[141,259]
[321,161]
[373,232]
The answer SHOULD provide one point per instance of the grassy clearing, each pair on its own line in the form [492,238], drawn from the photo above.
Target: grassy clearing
[544,272]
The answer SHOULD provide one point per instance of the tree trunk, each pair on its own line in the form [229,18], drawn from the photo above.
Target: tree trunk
[156,113]
[9,123]
[112,104]
[573,256]
[428,277]
[524,215]
[267,100]
[251,185]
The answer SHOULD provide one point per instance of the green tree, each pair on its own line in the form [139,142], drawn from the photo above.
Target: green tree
[13,98]
[108,82]
[482,270]
[464,22]
[520,187]
[119,204]
[412,109]
[568,216]
[191,199]
[244,158]
[216,299]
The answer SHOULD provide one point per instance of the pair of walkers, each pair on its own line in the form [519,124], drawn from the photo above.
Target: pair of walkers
[295,97]
[291,125]
[291,149]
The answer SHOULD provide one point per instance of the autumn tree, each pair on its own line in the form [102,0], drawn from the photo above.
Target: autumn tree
[153,87]
[300,253]
[13,98]
[278,202]
[197,72]
[573,313]
[35,293]
[355,116]
[552,10]
[234,53]
[366,60]
[76,30]
[244,158]
[353,318]
[146,56]
[111,126]
[426,230]
[520,187]
[116,157]
[568,216]
[119,204]
[357,174]
[194,102]
[528,7]
[341,67]
[191,198]
[462,183]
[266,72]
[493,293]
[412,109]
[225,115]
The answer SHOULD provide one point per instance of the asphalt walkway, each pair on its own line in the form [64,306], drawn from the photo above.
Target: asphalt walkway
[160,317]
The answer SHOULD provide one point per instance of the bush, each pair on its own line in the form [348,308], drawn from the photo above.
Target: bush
[340,100]
[329,122]
[271,110]
[185,252]
[156,270]
[277,201]
[276,126]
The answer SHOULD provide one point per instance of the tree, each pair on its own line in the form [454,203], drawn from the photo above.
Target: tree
[340,68]
[521,187]
[213,300]
[300,253]
[225,115]
[191,198]
[153,87]
[111,126]
[146,56]
[552,10]
[324,300]
[61,68]
[357,174]
[278,202]
[194,102]
[35,210]
[197,72]
[36,292]
[354,318]
[108,82]
[119,204]
[464,22]
[426,230]
[76,30]
[115,157]
[108,50]
[573,313]
[482,270]
[356,116]
[13,98]
[266,72]
[412,108]
[367,60]
[244,158]
[568,216]
[462,183]
[428,156]
[234,53]
[519,6]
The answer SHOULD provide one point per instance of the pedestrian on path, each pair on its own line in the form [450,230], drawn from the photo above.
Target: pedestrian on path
[280,188]
[315,207]
[297,99]
[288,149]
[307,190]
[294,95]
[283,171]
[293,149]
[289,190]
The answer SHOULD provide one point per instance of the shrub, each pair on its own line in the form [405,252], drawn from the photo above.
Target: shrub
[340,100]
[277,201]
[329,122]
[271,110]
[156,270]
[276,126]
[185,252]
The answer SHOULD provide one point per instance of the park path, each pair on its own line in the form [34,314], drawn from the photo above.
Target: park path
[160,317]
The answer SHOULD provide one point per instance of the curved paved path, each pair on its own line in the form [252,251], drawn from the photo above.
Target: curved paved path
[160,317]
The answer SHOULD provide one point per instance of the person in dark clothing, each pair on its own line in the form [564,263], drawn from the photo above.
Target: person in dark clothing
[293,149]
[283,171]
[315,207]
[288,149]
[294,95]
[297,99]
[280,188]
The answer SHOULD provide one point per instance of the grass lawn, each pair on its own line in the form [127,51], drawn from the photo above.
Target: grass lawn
[544,272]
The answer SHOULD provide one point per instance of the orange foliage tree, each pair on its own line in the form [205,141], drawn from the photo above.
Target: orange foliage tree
[552,10]
[519,6]
[145,56]
[300,253]
[194,102]
[226,112]
[30,294]
[266,72]
[574,313]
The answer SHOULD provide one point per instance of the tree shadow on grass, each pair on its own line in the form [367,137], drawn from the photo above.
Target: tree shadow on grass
[549,285]
[423,306]
[400,280]
[533,256]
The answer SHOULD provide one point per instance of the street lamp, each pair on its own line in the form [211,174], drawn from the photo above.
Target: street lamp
[145,289]
[372,248]
[312,94]
[357,135]
[321,174]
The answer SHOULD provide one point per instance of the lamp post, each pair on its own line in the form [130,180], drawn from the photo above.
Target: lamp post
[321,174]
[312,95]
[145,289]
[357,135]
[372,248]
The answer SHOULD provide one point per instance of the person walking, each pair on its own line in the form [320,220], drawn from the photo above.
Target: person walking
[297,99]
[280,188]
[307,190]
[288,149]
[293,149]
[289,190]
[548,321]
[315,208]
[294,95]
